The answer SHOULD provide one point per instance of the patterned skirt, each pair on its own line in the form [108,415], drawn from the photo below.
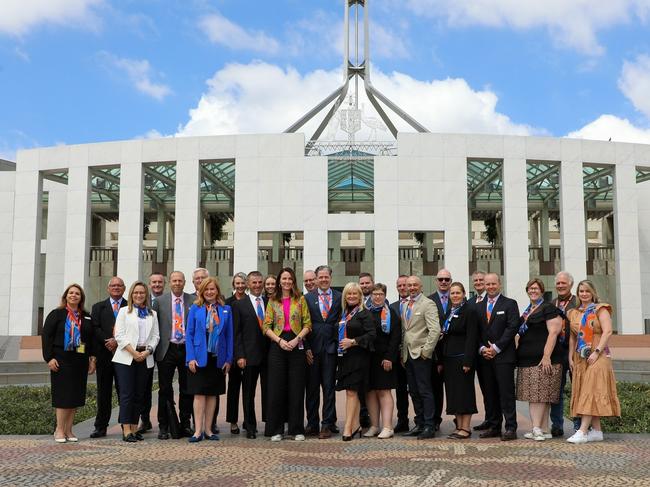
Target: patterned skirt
[534,385]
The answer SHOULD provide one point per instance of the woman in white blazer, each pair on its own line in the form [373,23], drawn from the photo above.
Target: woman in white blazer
[136,332]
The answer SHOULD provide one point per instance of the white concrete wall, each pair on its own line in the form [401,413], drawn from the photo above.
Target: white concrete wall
[7,189]
[57,210]
[643,197]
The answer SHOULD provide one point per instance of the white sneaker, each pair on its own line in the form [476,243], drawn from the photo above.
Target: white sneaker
[578,437]
[538,434]
[595,435]
[372,431]
[547,436]
[529,436]
[299,438]
[386,433]
[276,438]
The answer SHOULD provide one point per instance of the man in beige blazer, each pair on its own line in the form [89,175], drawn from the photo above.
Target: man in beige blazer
[420,333]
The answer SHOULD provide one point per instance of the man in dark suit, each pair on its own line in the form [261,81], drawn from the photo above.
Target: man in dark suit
[250,346]
[401,392]
[172,309]
[564,301]
[498,324]
[325,310]
[103,318]
[441,298]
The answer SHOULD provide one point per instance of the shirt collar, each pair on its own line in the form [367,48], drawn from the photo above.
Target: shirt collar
[118,301]
[416,297]
[328,292]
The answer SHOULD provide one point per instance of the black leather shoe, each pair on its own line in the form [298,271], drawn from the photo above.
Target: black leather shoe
[234,429]
[163,434]
[334,429]
[427,433]
[130,438]
[482,427]
[250,435]
[98,433]
[436,427]
[401,427]
[490,434]
[186,432]
[557,432]
[364,420]
[415,431]
[309,431]
[145,426]
[509,435]
[138,436]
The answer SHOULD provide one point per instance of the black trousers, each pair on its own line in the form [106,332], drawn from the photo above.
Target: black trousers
[437,381]
[146,403]
[418,373]
[133,382]
[250,375]
[232,397]
[321,374]
[174,360]
[402,394]
[499,393]
[286,389]
[105,375]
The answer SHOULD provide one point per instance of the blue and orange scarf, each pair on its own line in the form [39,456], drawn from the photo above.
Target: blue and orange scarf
[343,326]
[72,335]
[523,328]
[385,316]
[213,326]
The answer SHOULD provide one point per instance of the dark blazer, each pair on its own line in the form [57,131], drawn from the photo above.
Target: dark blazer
[249,341]
[502,328]
[163,308]
[196,344]
[442,316]
[103,323]
[54,329]
[387,344]
[462,336]
[324,333]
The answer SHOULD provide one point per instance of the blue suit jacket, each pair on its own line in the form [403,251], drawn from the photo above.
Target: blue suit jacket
[196,346]
[324,333]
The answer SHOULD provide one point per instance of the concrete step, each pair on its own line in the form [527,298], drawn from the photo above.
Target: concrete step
[630,365]
[16,366]
[642,376]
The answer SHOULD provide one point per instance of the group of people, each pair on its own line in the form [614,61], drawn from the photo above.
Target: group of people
[303,347]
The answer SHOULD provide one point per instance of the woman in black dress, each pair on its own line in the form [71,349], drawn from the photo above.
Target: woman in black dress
[383,377]
[356,338]
[459,345]
[539,359]
[67,349]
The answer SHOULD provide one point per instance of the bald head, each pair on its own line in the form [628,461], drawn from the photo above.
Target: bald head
[414,285]
[492,284]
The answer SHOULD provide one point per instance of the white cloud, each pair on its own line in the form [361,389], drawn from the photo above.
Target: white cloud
[612,127]
[17,17]
[261,97]
[571,23]
[635,83]
[139,72]
[225,32]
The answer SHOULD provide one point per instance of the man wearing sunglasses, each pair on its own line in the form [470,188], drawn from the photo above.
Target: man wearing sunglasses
[441,299]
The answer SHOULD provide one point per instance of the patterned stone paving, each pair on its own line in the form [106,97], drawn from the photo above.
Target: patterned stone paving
[621,460]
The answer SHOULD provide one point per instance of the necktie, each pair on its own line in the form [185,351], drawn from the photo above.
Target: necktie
[409,309]
[116,308]
[479,298]
[259,310]
[402,302]
[179,332]
[325,305]
[489,308]
[443,300]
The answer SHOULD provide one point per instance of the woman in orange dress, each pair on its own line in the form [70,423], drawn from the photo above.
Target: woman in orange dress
[593,389]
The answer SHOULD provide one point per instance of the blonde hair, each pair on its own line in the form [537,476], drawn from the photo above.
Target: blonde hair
[200,298]
[591,288]
[146,296]
[352,287]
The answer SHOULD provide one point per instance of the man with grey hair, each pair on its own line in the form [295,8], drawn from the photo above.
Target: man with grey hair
[564,301]
[198,276]
[309,281]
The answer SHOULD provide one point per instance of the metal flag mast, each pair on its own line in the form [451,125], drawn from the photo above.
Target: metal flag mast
[354,68]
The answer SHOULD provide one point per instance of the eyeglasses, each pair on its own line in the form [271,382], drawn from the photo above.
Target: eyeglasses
[444,279]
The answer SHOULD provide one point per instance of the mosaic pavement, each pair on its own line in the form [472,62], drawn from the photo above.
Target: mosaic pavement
[37,461]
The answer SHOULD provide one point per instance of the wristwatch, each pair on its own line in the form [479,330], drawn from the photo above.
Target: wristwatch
[597,350]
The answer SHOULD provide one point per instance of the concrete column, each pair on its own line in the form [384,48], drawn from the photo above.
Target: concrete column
[387,259]
[369,243]
[55,254]
[187,239]
[515,229]
[334,243]
[428,246]
[7,191]
[129,248]
[573,234]
[643,196]
[534,232]
[314,249]
[77,241]
[276,243]
[161,237]
[26,250]
[626,237]
[544,236]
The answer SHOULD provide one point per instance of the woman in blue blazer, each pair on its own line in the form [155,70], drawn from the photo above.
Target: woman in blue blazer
[209,353]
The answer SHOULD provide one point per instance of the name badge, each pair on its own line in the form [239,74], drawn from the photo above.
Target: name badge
[455,316]
[501,312]
[81,348]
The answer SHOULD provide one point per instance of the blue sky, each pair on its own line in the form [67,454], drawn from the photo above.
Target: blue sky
[76,71]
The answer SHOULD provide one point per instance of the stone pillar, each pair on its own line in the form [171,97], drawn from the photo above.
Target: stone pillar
[544,234]
[187,239]
[26,249]
[161,237]
[534,231]
[77,241]
[369,243]
[334,243]
[428,246]
[515,229]
[626,237]
[55,251]
[7,192]
[573,234]
[276,243]
[129,248]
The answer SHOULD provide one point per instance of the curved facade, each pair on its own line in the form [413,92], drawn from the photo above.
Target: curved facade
[422,204]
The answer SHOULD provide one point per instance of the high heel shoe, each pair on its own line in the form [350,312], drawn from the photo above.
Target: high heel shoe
[349,438]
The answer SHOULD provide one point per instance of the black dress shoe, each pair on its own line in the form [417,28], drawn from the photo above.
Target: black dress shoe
[436,427]
[309,431]
[509,435]
[427,433]
[98,433]
[186,432]
[557,432]
[138,436]
[145,426]
[401,427]
[334,429]
[163,434]
[491,433]
[415,431]
[234,429]
[250,435]
[130,438]
[364,420]
[481,427]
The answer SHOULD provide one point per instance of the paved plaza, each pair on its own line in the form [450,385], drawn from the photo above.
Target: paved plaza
[234,461]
